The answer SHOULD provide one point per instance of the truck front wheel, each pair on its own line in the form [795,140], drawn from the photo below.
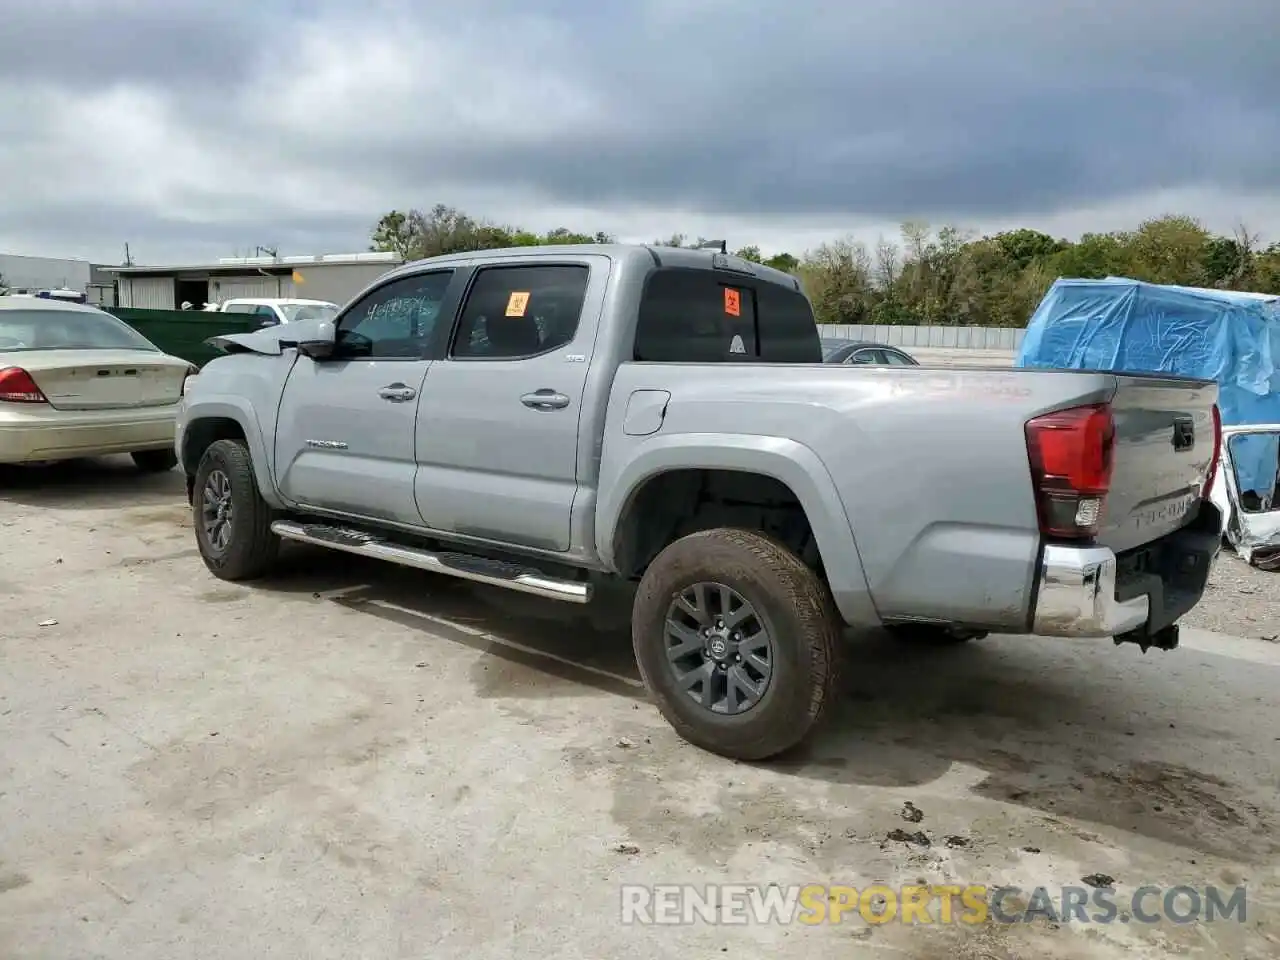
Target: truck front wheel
[232,521]
[736,640]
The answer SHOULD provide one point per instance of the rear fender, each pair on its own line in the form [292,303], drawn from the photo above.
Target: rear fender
[784,460]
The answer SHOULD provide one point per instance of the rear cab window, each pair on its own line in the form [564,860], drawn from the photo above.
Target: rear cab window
[691,315]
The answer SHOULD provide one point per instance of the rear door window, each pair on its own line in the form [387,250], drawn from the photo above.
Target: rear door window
[521,311]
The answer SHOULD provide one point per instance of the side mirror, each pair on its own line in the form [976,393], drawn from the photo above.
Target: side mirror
[321,341]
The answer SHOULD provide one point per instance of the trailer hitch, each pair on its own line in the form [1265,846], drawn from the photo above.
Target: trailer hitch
[1163,639]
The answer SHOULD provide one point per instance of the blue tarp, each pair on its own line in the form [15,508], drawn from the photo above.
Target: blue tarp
[1130,326]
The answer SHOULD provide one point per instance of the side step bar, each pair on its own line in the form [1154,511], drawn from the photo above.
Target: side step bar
[497,573]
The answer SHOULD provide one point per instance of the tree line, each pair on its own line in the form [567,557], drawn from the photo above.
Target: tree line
[926,275]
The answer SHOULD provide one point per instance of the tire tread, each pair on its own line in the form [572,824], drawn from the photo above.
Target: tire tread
[801,588]
[251,553]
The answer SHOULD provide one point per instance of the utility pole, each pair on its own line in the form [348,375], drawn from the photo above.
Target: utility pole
[128,260]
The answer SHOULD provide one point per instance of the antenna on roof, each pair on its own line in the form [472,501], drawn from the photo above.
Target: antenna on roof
[714,245]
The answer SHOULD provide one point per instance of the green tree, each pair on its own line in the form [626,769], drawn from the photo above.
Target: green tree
[925,275]
[784,262]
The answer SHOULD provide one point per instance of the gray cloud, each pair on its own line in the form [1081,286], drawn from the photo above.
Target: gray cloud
[84,45]
[871,111]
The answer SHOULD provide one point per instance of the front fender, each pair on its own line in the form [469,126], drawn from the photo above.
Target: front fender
[239,410]
[784,460]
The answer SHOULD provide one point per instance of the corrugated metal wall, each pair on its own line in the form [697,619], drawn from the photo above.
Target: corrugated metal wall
[231,288]
[39,273]
[147,293]
[971,338]
[336,282]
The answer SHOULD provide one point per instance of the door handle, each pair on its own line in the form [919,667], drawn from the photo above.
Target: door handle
[545,399]
[397,392]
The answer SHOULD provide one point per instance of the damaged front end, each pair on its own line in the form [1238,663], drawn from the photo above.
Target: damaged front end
[1246,491]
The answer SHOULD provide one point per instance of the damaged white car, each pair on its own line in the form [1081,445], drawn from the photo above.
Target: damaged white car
[1250,516]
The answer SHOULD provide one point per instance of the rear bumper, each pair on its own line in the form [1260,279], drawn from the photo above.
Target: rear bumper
[1077,595]
[1092,592]
[59,435]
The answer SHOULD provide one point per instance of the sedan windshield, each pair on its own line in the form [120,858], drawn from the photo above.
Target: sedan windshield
[67,330]
[308,311]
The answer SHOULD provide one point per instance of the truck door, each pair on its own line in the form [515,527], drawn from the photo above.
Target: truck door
[498,426]
[345,430]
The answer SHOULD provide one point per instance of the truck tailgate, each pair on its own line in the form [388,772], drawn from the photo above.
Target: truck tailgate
[1165,439]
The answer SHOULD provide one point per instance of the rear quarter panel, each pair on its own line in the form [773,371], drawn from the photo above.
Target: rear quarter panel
[927,468]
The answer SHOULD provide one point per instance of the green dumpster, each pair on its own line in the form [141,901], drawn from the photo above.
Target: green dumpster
[182,333]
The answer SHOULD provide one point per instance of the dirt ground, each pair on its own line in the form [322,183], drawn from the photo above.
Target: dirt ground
[1241,600]
[351,760]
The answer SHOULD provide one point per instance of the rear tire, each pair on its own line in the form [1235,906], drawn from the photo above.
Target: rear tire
[232,521]
[791,607]
[155,461]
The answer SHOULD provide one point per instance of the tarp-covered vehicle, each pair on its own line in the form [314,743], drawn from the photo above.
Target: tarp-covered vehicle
[1128,326]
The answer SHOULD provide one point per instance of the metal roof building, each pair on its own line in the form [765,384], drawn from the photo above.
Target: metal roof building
[334,277]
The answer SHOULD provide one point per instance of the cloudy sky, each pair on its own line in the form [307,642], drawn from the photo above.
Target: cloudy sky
[194,129]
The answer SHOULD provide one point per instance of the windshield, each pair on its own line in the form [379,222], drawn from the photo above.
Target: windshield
[308,311]
[831,346]
[67,330]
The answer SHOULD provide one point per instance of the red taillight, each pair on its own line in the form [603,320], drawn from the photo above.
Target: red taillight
[16,386]
[1217,452]
[1071,454]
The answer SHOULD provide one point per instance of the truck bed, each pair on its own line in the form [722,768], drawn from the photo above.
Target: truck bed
[931,465]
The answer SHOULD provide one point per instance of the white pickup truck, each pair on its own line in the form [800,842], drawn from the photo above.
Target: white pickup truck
[274,310]
[542,419]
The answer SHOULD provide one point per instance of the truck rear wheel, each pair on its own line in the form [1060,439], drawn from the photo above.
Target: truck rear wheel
[736,640]
[232,521]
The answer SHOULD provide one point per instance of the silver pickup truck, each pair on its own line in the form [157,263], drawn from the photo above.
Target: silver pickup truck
[545,419]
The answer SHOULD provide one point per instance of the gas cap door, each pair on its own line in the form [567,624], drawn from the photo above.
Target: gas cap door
[645,412]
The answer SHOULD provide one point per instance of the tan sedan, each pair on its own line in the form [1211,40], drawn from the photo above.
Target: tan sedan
[77,382]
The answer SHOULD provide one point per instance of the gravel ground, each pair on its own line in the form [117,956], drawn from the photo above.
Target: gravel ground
[353,760]
[1241,600]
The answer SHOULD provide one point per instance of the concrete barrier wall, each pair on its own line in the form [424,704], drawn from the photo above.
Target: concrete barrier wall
[1004,339]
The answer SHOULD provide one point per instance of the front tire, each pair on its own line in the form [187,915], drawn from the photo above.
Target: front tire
[155,461]
[232,521]
[736,641]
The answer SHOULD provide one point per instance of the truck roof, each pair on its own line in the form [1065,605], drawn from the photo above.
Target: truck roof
[704,258]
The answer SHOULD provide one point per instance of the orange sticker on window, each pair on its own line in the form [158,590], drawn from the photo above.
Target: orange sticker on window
[517,303]
[732,302]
